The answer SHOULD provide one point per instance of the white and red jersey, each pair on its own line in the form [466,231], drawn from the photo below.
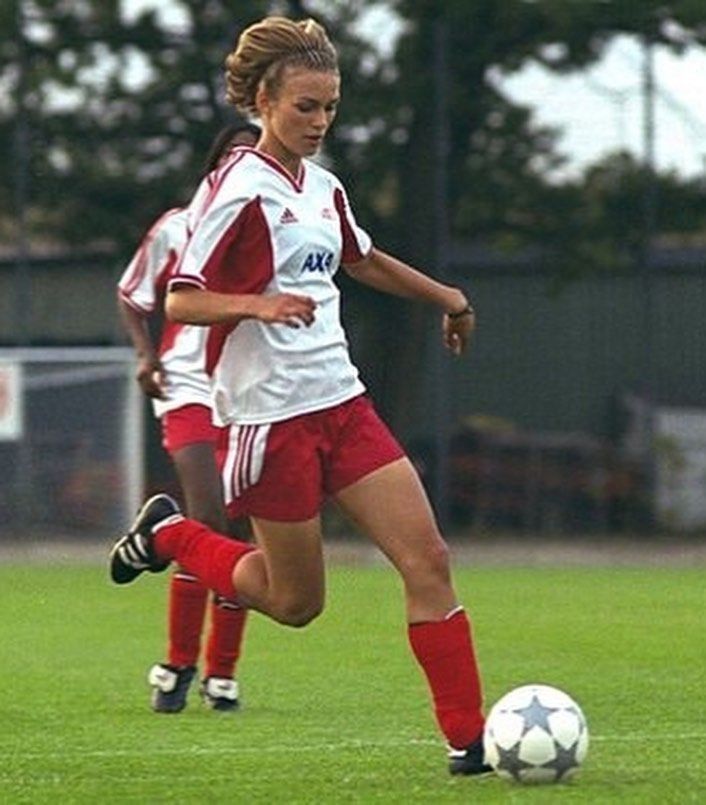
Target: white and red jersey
[182,349]
[257,230]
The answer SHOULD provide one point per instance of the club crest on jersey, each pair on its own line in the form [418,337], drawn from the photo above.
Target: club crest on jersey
[317,262]
[288,217]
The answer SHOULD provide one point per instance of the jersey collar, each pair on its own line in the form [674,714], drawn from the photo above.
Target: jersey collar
[297,182]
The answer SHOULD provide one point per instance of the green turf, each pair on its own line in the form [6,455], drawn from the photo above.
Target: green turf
[337,712]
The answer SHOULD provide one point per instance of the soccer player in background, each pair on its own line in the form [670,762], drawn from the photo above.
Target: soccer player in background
[173,375]
[267,239]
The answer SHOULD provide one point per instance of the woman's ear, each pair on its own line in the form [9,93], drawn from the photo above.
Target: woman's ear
[262,102]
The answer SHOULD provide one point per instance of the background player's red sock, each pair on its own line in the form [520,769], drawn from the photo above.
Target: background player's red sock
[187,608]
[444,649]
[204,553]
[225,637]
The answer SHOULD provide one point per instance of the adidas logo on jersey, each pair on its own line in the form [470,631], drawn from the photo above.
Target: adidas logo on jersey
[288,217]
[327,213]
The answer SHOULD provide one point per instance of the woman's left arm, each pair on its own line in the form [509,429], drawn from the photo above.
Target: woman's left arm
[388,274]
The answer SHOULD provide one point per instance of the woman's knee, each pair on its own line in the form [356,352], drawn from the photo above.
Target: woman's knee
[430,566]
[297,612]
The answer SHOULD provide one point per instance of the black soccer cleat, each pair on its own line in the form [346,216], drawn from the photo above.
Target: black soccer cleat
[220,693]
[170,686]
[133,553]
[469,761]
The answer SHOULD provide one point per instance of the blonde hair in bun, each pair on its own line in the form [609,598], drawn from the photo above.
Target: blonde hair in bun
[264,50]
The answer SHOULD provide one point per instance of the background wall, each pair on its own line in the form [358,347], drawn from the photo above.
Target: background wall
[535,412]
[545,357]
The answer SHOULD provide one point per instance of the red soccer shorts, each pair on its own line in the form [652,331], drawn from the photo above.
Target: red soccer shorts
[284,471]
[190,424]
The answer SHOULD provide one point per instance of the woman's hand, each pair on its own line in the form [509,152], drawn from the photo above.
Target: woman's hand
[151,378]
[290,309]
[458,326]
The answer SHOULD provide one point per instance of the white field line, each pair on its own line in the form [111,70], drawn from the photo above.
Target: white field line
[313,748]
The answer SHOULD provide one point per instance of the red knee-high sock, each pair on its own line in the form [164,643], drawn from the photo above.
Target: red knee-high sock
[201,551]
[225,637]
[187,608]
[444,649]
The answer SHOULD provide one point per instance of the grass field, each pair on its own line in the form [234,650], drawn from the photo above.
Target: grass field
[338,712]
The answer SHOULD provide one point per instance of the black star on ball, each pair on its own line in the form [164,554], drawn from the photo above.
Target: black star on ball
[536,715]
[564,761]
[510,761]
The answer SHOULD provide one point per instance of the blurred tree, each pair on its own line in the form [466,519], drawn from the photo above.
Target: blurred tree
[499,160]
[120,111]
[612,217]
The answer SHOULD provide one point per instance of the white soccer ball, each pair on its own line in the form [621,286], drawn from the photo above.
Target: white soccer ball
[535,734]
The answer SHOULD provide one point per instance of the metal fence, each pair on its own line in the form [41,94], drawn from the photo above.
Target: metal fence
[542,435]
[71,443]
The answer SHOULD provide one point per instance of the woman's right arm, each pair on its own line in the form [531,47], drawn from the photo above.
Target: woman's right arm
[149,368]
[189,305]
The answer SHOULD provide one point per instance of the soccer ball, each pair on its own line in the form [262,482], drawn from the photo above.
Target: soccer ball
[535,734]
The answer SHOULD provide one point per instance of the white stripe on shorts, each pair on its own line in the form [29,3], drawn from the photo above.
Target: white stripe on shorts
[241,464]
[227,471]
[257,454]
[244,460]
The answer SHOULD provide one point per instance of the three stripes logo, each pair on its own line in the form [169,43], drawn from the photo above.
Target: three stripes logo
[288,217]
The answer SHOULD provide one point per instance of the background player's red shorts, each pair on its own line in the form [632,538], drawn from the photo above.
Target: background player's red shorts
[189,424]
[284,471]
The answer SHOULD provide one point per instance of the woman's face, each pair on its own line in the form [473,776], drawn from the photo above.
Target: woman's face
[297,116]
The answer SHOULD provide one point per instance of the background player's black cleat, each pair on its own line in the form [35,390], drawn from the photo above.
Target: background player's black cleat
[170,687]
[133,553]
[220,693]
[469,760]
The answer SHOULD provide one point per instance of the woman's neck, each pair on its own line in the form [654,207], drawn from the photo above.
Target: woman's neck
[292,163]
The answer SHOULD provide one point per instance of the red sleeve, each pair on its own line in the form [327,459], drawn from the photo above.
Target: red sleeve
[356,242]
